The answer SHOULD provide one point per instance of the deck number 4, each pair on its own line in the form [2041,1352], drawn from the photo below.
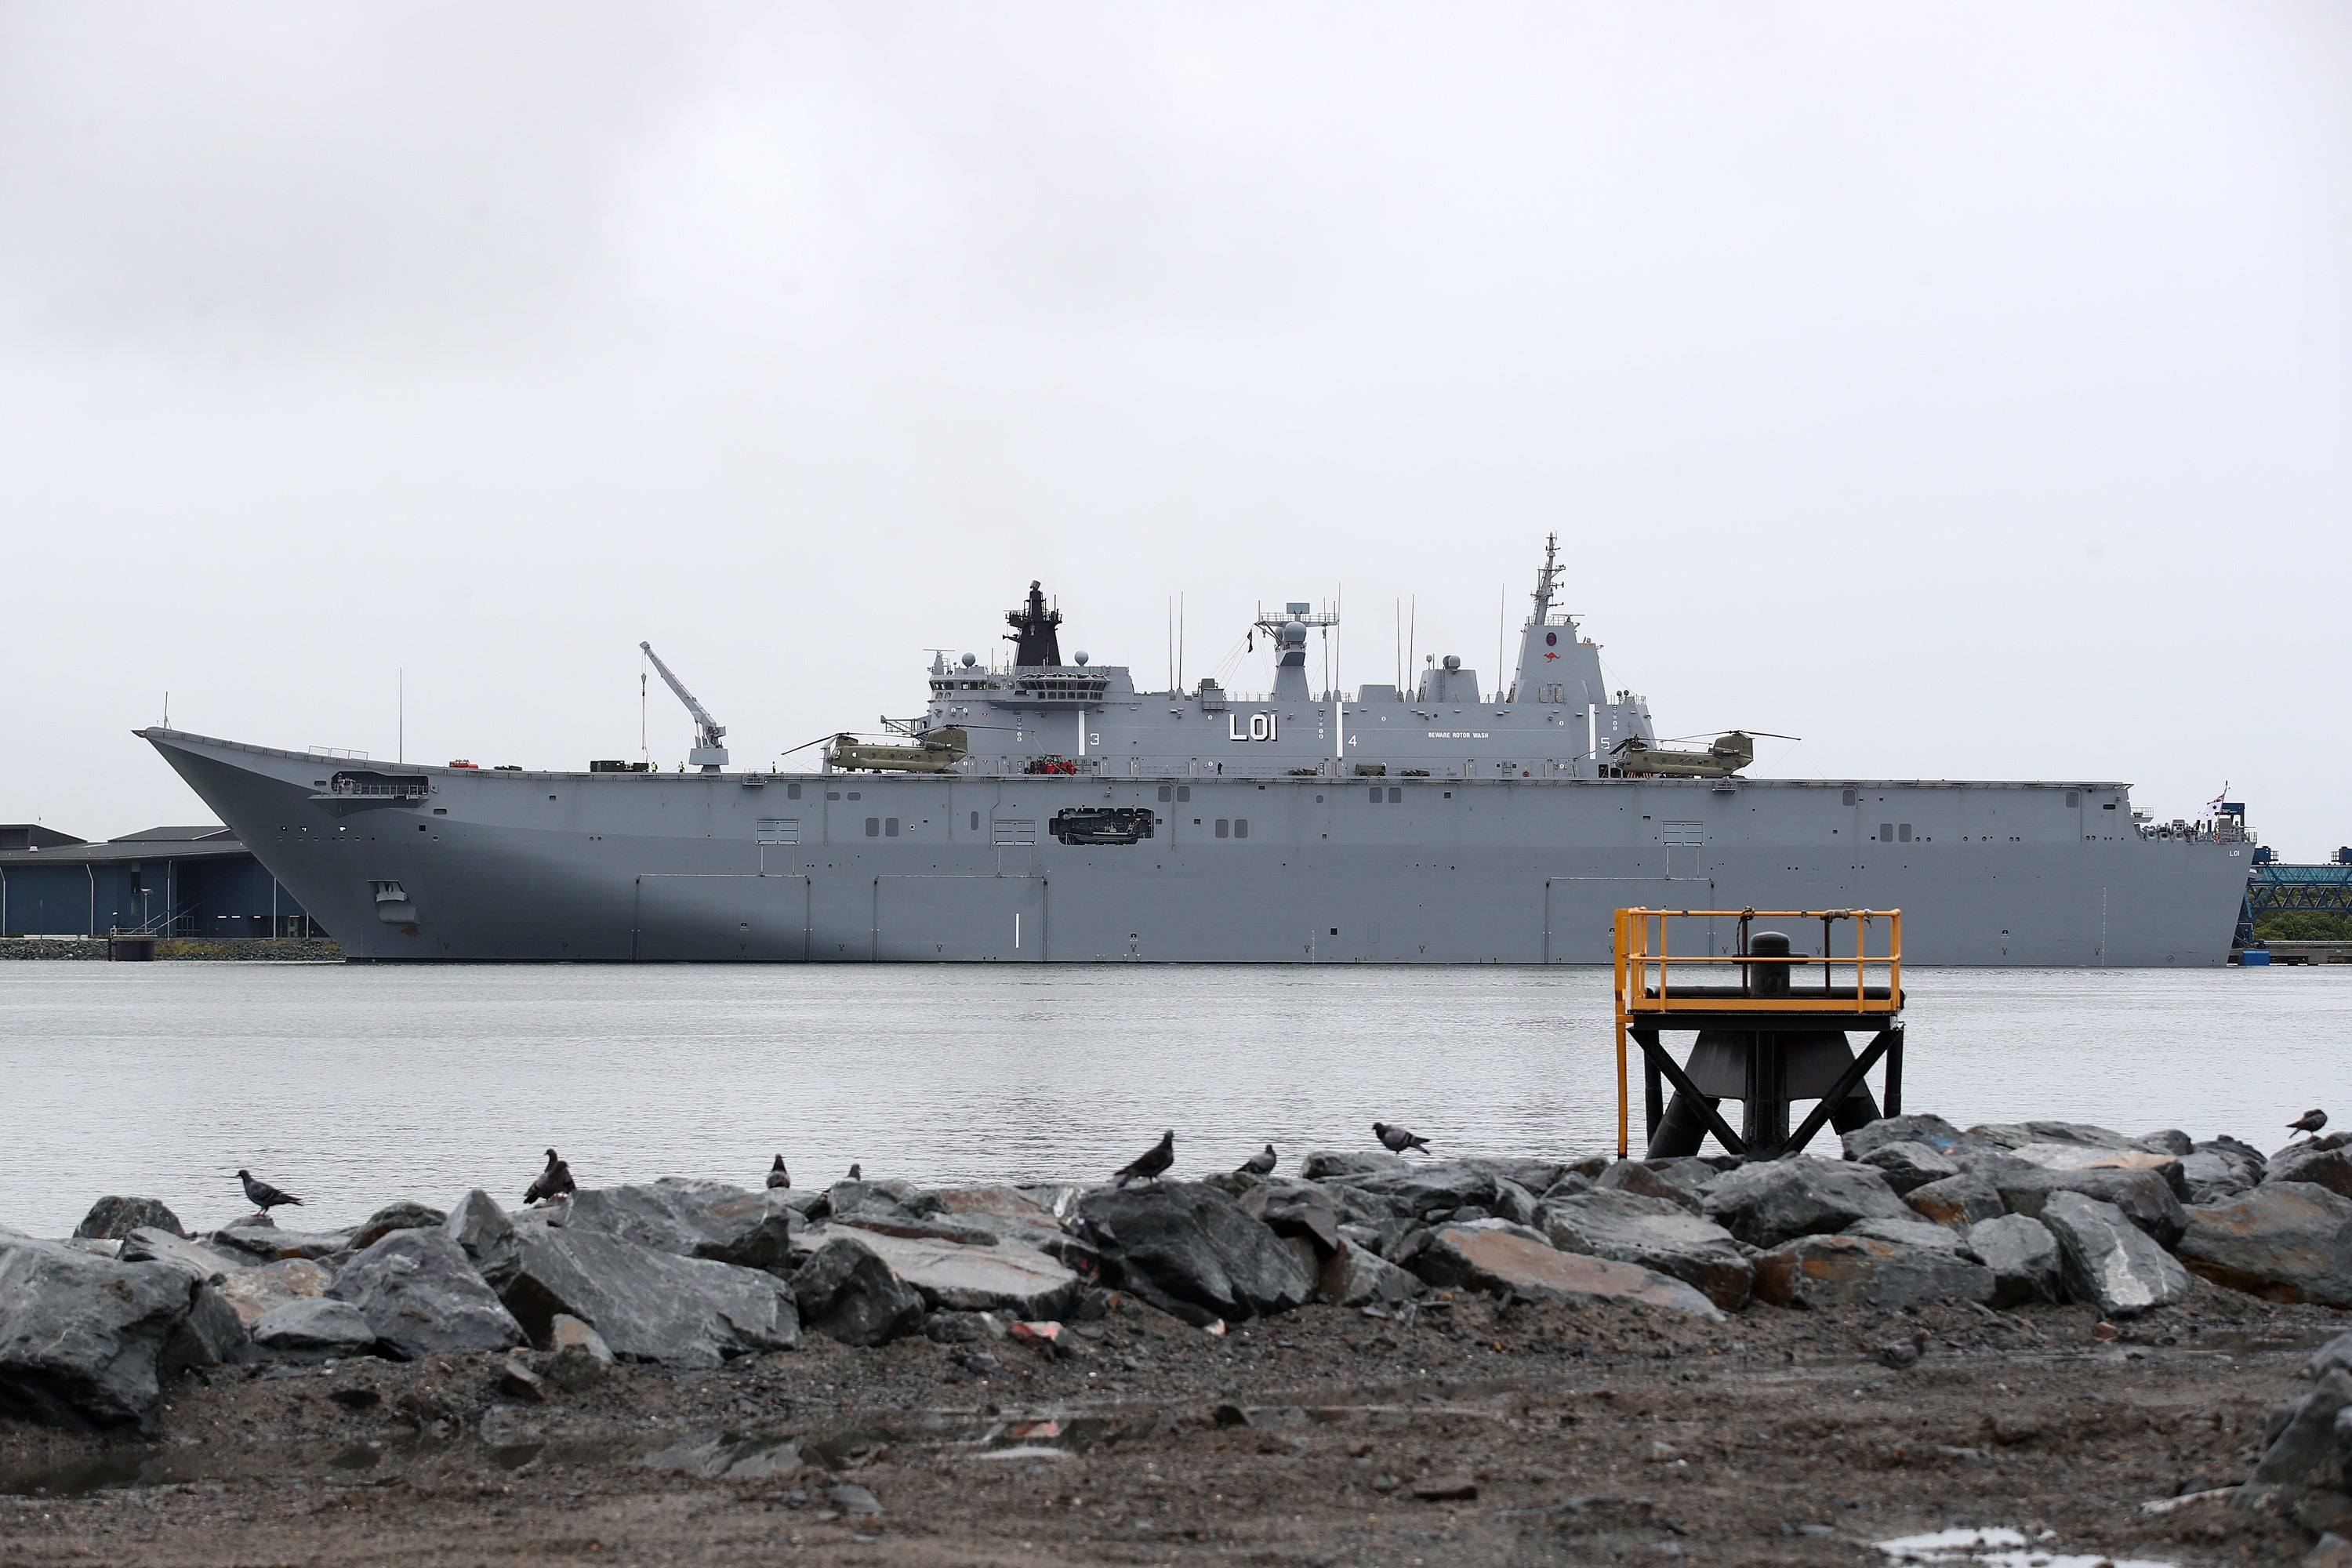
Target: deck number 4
[1261,727]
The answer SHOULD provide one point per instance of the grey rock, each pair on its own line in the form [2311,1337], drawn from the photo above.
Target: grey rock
[2304,1450]
[1932,1130]
[2209,1175]
[82,1337]
[1514,1201]
[2017,1134]
[1569,1184]
[1019,1281]
[648,1305]
[1295,1208]
[2108,1261]
[419,1292]
[1907,1165]
[846,1292]
[1672,1180]
[1812,1271]
[1657,1234]
[264,1242]
[710,1219]
[2322,1162]
[214,1331]
[1958,1202]
[1385,1237]
[482,1230]
[114,1219]
[403,1215]
[2143,1197]
[2335,1355]
[2284,1241]
[314,1324]
[1328,1165]
[150,1245]
[1500,1256]
[1913,1232]
[1186,1243]
[2082,1157]
[1354,1277]
[1434,1191]
[1766,1204]
[1535,1176]
[2024,1257]
[2170,1141]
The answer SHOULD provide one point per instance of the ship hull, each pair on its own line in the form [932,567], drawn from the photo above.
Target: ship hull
[543,867]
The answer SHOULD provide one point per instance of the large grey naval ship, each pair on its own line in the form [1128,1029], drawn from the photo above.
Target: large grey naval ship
[1042,811]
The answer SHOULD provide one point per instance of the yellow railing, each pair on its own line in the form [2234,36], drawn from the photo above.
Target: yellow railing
[1645,991]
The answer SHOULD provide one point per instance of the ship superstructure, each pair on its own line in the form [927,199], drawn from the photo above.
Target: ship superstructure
[1042,811]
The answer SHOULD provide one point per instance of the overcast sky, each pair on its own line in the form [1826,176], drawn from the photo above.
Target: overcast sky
[1965,389]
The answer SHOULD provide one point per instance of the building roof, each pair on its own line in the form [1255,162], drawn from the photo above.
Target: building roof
[49,848]
[28,834]
[174,834]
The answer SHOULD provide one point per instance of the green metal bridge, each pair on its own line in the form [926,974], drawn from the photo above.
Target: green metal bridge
[2278,890]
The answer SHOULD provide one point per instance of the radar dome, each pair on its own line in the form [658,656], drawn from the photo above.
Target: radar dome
[1452,661]
[1080,656]
[969,661]
[1294,631]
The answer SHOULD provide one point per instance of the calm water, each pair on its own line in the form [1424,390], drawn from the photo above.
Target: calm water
[353,1085]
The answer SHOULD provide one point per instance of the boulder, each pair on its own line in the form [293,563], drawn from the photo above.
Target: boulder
[2145,1197]
[2023,1256]
[1657,1234]
[1433,1191]
[649,1305]
[1932,1130]
[1536,1175]
[1327,1165]
[1670,1181]
[1911,1233]
[2079,1157]
[696,1219]
[2106,1259]
[2304,1448]
[264,1242]
[2218,1168]
[1295,1208]
[1353,1277]
[113,1219]
[2335,1355]
[481,1228]
[1906,1164]
[150,1245]
[1773,1201]
[83,1339]
[848,1292]
[1006,1210]
[1497,1256]
[253,1293]
[402,1216]
[568,1335]
[2017,1134]
[1183,1242]
[419,1292]
[2284,1241]
[1959,1201]
[212,1332]
[1857,1270]
[1004,1276]
[2165,1141]
[314,1324]
[2323,1162]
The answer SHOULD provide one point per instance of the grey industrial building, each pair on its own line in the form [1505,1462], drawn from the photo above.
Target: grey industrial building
[166,881]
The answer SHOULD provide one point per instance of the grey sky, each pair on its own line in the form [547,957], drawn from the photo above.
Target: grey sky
[1967,390]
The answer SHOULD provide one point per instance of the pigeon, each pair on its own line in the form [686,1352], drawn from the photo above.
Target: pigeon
[264,1196]
[555,1181]
[1150,1163]
[856,1174]
[1903,1354]
[1396,1139]
[777,1175]
[1258,1165]
[2309,1121]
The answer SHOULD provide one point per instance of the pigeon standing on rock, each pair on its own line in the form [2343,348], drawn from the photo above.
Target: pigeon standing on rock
[263,1196]
[2309,1121]
[1396,1139]
[555,1181]
[1903,1354]
[1258,1165]
[856,1174]
[1149,1164]
[777,1175]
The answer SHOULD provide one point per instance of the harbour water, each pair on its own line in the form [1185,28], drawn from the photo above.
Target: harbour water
[355,1085]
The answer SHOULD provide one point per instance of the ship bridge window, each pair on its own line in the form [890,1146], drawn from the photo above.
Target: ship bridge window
[872,828]
[833,795]
[1224,828]
[890,827]
[1886,832]
[1903,833]
[792,791]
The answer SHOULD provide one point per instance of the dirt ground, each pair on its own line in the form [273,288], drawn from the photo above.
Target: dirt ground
[1463,1433]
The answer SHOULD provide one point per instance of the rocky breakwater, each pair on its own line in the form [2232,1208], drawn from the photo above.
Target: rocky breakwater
[693,1274]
